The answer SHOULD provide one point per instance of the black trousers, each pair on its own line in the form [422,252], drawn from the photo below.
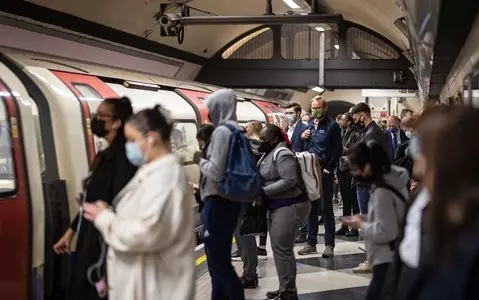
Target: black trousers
[377,282]
[348,194]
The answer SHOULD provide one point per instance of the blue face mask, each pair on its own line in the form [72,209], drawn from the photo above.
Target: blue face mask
[394,130]
[290,118]
[134,154]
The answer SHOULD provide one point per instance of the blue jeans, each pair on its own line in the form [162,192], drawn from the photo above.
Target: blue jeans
[363,198]
[220,218]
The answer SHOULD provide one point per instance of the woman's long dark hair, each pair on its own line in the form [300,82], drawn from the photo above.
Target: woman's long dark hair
[372,153]
[122,110]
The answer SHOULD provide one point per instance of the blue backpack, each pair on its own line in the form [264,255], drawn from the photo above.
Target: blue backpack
[241,181]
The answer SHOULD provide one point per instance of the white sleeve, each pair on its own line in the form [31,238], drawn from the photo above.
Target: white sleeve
[156,228]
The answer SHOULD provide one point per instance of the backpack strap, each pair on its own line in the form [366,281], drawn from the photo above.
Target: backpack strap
[392,244]
[230,126]
[276,152]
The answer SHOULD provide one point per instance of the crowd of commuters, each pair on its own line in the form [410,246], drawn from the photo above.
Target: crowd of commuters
[408,187]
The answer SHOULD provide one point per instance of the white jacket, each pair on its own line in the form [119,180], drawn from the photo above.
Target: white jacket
[150,236]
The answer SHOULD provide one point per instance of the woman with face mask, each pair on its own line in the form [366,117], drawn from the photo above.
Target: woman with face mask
[110,172]
[288,205]
[370,164]
[149,228]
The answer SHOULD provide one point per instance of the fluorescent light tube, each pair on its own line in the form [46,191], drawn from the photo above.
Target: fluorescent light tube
[336,46]
[318,89]
[319,28]
[291,4]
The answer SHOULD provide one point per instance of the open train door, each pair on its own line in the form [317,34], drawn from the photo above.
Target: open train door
[274,113]
[90,91]
[197,100]
[15,206]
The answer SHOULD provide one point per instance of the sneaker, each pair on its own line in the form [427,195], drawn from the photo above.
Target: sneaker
[287,296]
[249,283]
[352,233]
[272,294]
[300,238]
[308,249]
[363,268]
[342,231]
[328,252]
[235,256]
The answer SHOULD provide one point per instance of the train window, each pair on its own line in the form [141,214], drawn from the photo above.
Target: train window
[87,91]
[38,133]
[7,164]
[183,141]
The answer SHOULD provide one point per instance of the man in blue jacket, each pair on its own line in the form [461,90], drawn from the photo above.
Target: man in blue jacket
[295,127]
[323,138]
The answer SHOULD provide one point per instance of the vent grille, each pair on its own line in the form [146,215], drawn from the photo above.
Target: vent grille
[301,41]
[363,45]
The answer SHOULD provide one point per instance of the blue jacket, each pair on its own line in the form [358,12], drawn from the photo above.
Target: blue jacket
[325,142]
[297,143]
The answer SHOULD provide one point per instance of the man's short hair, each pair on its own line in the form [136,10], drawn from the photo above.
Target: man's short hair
[405,111]
[295,105]
[361,108]
[319,98]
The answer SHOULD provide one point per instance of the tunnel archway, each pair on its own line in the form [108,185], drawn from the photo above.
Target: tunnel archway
[336,107]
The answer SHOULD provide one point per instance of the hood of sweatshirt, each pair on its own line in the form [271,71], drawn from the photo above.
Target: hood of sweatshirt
[222,106]
[397,178]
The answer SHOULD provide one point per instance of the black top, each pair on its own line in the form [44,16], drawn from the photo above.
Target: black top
[111,171]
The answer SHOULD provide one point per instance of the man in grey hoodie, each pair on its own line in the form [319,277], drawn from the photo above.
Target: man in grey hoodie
[220,216]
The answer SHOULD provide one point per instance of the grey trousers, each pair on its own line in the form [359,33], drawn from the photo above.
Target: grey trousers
[284,223]
[247,250]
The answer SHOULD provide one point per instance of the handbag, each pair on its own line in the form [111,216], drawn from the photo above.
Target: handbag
[254,222]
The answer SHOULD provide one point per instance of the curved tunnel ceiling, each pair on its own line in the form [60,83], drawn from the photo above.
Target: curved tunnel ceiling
[136,17]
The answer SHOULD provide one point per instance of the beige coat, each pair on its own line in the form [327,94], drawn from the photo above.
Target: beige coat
[150,236]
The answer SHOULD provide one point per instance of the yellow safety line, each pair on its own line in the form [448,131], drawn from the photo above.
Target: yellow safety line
[202,258]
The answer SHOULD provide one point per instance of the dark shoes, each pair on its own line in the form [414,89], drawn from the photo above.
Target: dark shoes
[346,232]
[352,233]
[300,238]
[261,251]
[249,283]
[342,231]
[276,295]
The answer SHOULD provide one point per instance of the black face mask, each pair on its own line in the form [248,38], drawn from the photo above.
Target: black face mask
[265,147]
[98,128]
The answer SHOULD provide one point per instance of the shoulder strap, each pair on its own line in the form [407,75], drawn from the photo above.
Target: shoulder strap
[229,126]
[392,244]
[393,190]
[276,152]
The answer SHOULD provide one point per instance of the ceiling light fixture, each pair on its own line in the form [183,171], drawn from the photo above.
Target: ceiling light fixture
[319,28]
[318,89]
[336,46]
[291,4]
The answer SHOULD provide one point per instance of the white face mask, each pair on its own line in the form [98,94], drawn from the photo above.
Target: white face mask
[305,123]
[290,118]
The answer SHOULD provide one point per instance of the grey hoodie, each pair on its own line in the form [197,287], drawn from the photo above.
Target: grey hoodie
[385,213]
[222,108]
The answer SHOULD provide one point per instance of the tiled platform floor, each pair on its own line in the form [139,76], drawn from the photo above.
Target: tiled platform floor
[317,279]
